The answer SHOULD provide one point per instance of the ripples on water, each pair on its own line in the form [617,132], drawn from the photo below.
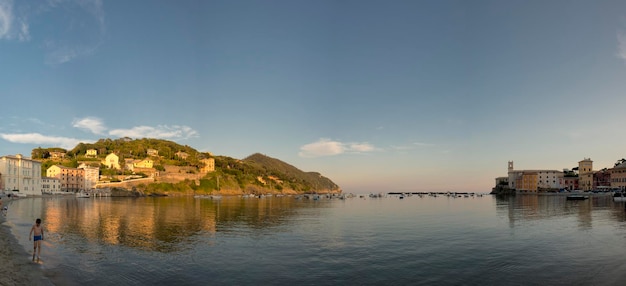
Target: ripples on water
[523,240]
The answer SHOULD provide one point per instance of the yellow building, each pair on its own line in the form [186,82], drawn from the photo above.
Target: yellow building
[91,153]
[146,163]
[618,176]
[112,161]
[529,182]
[209,165]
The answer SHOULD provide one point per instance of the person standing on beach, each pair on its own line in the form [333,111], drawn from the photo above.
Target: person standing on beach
[37,232]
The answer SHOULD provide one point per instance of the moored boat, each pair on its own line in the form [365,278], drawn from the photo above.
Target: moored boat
[577,197]
[82,194]
[619,197]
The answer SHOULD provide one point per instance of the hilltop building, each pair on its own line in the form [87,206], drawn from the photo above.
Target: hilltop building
[57,155]
[145,163]
[91,153]
[181,155]
[209,165]
[152,152]
[20,175]
[112,161]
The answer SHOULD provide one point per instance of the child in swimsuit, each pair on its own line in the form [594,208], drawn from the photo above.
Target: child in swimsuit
[37,231]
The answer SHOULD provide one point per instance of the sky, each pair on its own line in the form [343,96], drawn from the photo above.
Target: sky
[378,96]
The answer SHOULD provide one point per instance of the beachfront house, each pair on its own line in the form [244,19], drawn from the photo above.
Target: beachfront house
[20,175]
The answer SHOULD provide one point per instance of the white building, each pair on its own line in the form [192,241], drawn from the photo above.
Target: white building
[534,180]
[50,185]
[549,179]
[92,174]
[20,174]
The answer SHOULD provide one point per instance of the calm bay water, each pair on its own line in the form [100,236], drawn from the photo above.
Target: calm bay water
[523,240]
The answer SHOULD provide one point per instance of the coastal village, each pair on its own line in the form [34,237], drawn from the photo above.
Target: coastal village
[21,176]
[582,178]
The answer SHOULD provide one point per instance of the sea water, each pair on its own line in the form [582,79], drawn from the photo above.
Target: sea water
[417,240]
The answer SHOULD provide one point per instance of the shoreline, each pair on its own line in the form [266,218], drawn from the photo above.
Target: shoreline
[16,268]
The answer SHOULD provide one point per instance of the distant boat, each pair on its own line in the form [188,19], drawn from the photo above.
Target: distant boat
[577,197]
[215,197]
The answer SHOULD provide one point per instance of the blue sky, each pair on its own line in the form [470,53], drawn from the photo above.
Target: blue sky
[376,95]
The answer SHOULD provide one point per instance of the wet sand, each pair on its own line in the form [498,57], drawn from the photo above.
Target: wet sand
[16,267]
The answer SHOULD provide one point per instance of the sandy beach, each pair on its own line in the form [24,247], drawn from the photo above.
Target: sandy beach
[16,268]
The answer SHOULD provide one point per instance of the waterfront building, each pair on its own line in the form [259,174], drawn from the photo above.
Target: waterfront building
[570,182]
[92,174]
[529,181]
[618,176]
[549,179]
[20,174]
[534,180]
[585,174]
[50,185]
[502,181]
[72,179]
[602,179]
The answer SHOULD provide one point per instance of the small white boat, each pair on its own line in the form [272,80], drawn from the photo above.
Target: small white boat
[82,195]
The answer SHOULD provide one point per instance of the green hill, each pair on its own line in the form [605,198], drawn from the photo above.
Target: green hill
[256,173]
[289,173]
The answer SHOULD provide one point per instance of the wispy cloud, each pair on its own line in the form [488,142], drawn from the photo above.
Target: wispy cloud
[78,31]
[83,28]
[621,46]
[326,147]
[97,126]
[37,138]
[6,17]
[12,26]
[160,131]
[92,124]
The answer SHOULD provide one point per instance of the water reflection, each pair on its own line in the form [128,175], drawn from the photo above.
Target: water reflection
[159,224]
[525,208]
